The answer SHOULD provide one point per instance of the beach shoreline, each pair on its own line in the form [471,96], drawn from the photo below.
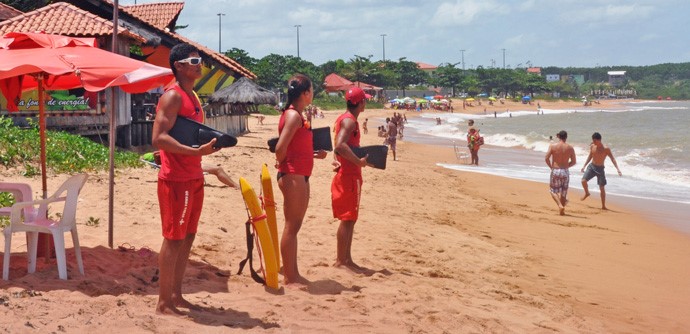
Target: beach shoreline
[446,252]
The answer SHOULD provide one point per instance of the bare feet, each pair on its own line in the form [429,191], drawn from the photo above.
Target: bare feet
[561,211]
[300,283]
[604,208]
[585,196]
[181,302]
[348,265]
[163,309]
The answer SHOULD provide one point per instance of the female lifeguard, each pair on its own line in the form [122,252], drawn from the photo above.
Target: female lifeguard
[295,157]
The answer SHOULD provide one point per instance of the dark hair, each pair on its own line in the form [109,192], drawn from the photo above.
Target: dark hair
[179,52]
[562,135]
[596,136]
[298,84]
[351,105]
[470,122]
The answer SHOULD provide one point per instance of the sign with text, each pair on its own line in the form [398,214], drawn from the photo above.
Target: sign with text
[63,102]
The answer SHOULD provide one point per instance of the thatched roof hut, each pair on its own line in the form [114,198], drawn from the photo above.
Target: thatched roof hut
[243,91]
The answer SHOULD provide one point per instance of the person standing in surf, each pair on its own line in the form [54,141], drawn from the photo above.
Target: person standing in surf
[560,157]
[180,180]
[597,154]
[346,188]
[295,161]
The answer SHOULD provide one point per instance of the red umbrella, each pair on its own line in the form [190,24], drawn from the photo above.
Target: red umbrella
[44,61]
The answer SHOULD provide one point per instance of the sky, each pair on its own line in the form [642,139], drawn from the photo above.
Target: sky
[563,33]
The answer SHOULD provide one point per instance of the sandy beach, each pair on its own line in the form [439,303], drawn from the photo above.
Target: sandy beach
[446,252]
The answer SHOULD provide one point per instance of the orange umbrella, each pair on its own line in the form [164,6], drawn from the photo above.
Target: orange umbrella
[44,61]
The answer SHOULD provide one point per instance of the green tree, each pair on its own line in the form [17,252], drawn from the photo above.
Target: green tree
[408,73]
[358,68]
[447,76]
[242,57]
[333,66]
[270,72]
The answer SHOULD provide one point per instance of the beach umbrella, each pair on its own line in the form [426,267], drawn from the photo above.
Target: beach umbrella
[429,98]
[469,99]
[492,99]
[438,97]
[526,98]
[53,62]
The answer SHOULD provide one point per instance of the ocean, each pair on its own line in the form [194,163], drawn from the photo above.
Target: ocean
[650,141]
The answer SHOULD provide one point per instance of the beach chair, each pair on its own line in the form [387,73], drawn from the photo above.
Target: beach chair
[461,153]
[38,222]
[20,191]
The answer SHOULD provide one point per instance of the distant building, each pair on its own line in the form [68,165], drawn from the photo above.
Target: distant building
[576,78]
[428,68]
[535,70]
[553,77]
[616,78]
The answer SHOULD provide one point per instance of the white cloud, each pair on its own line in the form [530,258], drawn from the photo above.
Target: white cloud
[649,37]
[527,5]
[464,12]
[520,40]
[610,14]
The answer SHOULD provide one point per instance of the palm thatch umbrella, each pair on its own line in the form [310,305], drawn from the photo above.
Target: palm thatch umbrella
[243,91]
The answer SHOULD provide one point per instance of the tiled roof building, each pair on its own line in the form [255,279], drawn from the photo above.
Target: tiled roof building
[160,15]
[63,19]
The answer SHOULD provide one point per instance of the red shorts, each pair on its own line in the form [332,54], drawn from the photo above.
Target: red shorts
[346,191]
[180,204]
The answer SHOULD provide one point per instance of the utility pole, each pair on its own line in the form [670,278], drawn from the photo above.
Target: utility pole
[219,36]
[383,37]
[297,26]
[504,58]
[462,52]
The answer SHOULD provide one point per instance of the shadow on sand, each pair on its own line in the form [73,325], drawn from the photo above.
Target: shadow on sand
[111,272]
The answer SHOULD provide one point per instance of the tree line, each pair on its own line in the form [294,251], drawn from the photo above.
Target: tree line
[667,80]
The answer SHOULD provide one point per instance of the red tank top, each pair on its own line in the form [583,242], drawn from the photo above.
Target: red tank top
[300,151]
[181,167]
[347,167]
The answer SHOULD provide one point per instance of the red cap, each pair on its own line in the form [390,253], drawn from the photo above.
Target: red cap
[355,95]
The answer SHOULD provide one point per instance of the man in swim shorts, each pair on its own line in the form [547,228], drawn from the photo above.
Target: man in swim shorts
[597,154]
[346,188]
[560,157]
[392,134]
[180,179]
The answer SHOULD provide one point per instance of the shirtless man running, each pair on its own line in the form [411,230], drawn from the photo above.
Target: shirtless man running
[597,154]
[559,158]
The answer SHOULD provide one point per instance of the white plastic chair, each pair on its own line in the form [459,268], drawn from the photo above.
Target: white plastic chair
[20,191]
[37,222]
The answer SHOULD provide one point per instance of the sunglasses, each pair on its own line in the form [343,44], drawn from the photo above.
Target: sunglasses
[191,60]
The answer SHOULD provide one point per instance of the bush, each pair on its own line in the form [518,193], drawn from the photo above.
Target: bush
[64,152]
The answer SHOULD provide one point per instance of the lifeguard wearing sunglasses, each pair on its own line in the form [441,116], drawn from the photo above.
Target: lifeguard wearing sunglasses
[191,60]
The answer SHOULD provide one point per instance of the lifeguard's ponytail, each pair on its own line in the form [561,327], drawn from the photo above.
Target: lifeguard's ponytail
[298,84]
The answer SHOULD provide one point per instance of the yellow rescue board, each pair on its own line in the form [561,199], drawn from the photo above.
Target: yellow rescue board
[261,227]
[270,209]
